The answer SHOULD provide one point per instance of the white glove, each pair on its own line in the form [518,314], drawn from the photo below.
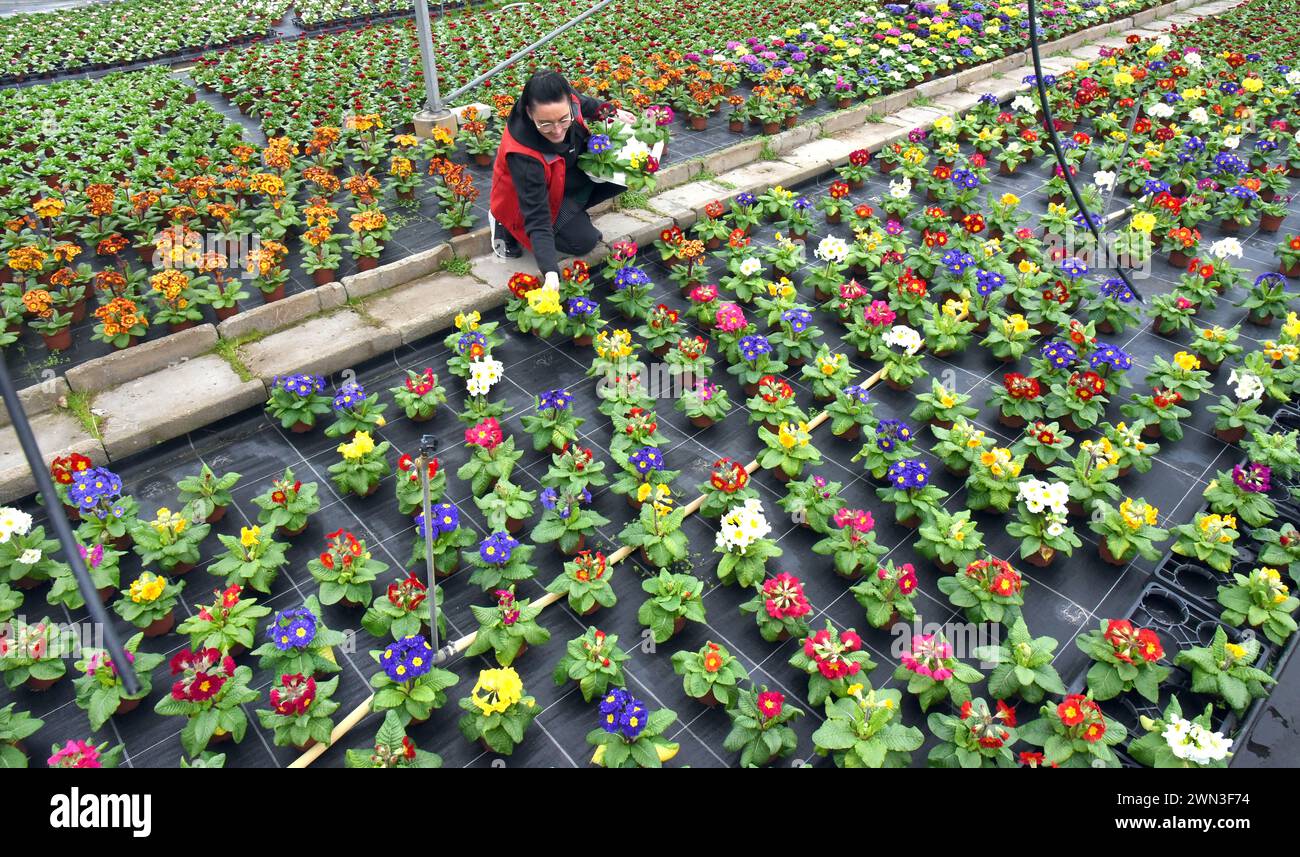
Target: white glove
[552,280]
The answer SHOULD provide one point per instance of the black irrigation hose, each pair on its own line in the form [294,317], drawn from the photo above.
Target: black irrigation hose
[1056,143]
[62,530]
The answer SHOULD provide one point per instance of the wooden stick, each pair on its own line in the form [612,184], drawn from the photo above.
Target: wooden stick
[363,708]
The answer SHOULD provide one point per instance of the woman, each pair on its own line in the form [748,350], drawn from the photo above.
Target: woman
[539,195]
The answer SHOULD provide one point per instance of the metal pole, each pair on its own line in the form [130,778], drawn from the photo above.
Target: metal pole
[426,449]
[62,531]
[432,99]
[514,58]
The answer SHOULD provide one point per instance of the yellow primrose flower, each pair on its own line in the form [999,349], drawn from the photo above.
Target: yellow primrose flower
[1028,267]
[468,322]
[1187,362]
[1143,221]
[249,536]
[147,588]
[496,690]
[544,301]
[1237,652]
[957,309]
[791,435]
[612,346]
[1009,199]
[829,363]
[361,445]
[1252,84]
[1015,324]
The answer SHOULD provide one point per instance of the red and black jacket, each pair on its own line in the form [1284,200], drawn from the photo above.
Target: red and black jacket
[531,174]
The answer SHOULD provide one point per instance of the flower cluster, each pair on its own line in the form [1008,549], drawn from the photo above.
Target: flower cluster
[930,657]
[361,445]
[1194,742]
[1083,717]
[783,597]
[1127,641]
[407,659]
[497,548]
[646,459]
[728,476]
[742,526]
[445,517]
[496,690]
[294,696]
[827,650]
[1252,477]
[292,629]
[96,490]
[484,373]
[301,386]
[486,435]
[623,714]
[995,576]
[909,474]
[202,674]
[890,432]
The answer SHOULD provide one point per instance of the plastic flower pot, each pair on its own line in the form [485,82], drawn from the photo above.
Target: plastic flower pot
[699,123]
[323,276]
[274,295]
[592,610]
[702,422]
[709,700]
[1105,326]
[218,513]
[455,230]
[219,736]
[791,121]
[78,311]
[126,706]
[513,525]
[894,385]
[843,103]
[301,427]
[225,312]
[582,542]
[582,341]
[1178,258]
[181,568]
[1261,320]
[161,626]
[124,542]
[58,341]
[678,624]
[770,128]
[911,523]
[409,195]
[1011,422]
[178,326]
[1229,227]
[39,685]
[106,593]
[736,126]
[369,263]
[1271,222]
[1292,271]
[484,159]
[287,533]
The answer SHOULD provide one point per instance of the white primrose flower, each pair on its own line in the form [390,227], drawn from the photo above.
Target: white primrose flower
[1293,77]
[13,522]
[750,267]
[1160,110]
[1231,142]
[742,526]
[1225,247]
[1248,385]
[484,373]
[1195,743]
[1024,104]
[1103,179]
[832,249]
[1192,58]
[904,337]
[31,556]
[1199,115]
[900,188]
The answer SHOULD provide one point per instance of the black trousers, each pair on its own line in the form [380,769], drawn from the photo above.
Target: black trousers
[575,234]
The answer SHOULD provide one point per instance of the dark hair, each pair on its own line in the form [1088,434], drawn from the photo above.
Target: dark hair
[545,87]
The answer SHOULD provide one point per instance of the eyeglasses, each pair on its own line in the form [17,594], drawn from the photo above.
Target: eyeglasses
[548,126]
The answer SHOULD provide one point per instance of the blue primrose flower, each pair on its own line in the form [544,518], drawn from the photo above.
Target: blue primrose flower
[581,306]
[645,459]
[1058,354]
[300,385]
[754,346]
[407,659]
[292,629]
[349,396]
[746,200]
[857,393]
[910,474]
[497,548]
[598,144]
[1074,268]
[446,519]
[554,400]
[988,282]
[1116,289]
[798,318]
[630,275]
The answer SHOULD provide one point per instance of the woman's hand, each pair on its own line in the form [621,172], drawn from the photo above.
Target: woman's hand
[626,118]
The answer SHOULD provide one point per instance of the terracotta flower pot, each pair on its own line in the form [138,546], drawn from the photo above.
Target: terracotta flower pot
[126,706]
[678,624]
[770,128]
[301,427]
[513,525]
[1271,222]
[1041,558]
[1231,436]
[162,626]
[699,123]
[1292,271]
[709,699]
[582,543]
[702,422]
[40,685]
[851,433]
[323,276]
[218,513]
[288,533]
[736,126]
[369,263]
[59,340]
[590,612]
[1178,258]
[225,312]
[1108,557]
[484,159]
[181,568]
[1011,422]
[274,295]
[582,341]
